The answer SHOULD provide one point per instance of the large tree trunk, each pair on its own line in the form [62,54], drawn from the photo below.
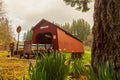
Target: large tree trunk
[106,31]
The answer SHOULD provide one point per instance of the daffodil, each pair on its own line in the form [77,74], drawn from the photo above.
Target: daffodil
[66,62]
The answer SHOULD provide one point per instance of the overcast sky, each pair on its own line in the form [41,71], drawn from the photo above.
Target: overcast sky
[28,13]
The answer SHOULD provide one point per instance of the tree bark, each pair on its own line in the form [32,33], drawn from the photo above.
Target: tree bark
[106,32]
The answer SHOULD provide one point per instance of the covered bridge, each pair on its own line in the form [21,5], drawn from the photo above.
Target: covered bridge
[48,33]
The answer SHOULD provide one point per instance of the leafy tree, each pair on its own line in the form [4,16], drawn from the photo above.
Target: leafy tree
[106,31]
[5,33]
[5,30]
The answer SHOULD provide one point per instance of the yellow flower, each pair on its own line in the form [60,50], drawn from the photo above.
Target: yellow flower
[66,62]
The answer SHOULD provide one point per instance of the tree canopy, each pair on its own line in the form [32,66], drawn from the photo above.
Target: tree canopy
[5,32]
[79,4]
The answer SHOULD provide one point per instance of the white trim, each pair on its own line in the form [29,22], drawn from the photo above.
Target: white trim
[43,27]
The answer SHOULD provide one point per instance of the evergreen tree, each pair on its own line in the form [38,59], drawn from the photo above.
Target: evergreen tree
[24,36]
[66,27]
[79,28]
[81,4]
[73,30]
[27,36]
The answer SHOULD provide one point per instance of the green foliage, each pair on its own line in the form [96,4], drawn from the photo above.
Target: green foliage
[79,4]
[27,36]
[81,29]
[104,71]
[5,33]
[67,55]
[52,67]
[87,56]
[35,73]
[66,27]
[78,68]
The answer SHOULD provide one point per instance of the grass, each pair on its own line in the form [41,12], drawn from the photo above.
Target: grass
[87,56]
[4,54]
[67,55]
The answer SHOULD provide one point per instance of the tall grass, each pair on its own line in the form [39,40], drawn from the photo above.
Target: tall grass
[77,67]
[52,67]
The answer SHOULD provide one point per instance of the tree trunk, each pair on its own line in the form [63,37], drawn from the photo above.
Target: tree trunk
[106,32]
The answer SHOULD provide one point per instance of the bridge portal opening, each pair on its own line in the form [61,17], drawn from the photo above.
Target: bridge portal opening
[44,40]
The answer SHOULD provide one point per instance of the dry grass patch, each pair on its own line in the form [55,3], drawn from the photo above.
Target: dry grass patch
[13,68]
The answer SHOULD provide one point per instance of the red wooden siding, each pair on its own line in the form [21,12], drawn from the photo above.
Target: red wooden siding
[68,43]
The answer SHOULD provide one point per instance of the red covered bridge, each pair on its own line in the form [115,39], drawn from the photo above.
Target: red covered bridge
[46,32]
